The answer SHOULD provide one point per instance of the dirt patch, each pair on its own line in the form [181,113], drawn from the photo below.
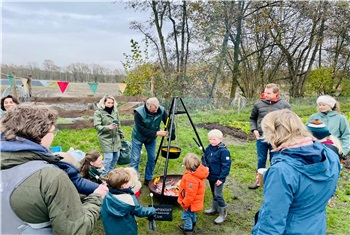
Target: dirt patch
[228,132]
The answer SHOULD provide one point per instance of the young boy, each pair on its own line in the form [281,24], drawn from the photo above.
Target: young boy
[191,191]
[217,158]
[120,208]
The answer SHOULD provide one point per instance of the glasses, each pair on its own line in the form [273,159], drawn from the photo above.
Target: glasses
[54,132]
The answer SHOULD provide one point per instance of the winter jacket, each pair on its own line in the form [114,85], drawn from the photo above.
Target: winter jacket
[218,160]
[297,187]
[49,193]
[118,213]
[337,125]
[263,107]
[84,186]
[110,140]
[147,124]
[192,189]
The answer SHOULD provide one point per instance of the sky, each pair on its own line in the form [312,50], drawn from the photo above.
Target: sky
[67,32]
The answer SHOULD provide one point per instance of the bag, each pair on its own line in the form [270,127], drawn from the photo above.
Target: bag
[125,153]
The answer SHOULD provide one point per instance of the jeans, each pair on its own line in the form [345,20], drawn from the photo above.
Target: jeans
[216,191]
[262,149]
[189,218]
[111,158]
[136,147]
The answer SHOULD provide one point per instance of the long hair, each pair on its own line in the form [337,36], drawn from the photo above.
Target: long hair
[29,122]
[91,156]
[283,127]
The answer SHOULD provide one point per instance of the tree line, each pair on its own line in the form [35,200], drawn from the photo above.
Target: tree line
[75,72]
[211,48]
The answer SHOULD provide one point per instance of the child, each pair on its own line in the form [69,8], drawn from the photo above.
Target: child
[135,184]
[92,166]
[191,191]
[217,158]
[120,208]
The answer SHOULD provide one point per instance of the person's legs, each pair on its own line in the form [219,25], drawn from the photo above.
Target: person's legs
[107,162]
[262,149]
[115,159]
[136,147]
[221,204]
[187,217]
[151,154]
[214,205]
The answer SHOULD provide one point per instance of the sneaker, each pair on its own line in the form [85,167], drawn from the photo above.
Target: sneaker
[255,185]
[146,182]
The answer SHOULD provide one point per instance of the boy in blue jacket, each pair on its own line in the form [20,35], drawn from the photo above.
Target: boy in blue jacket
[217,158]
[120,208]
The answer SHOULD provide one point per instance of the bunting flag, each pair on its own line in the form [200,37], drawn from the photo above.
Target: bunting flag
[62,86]
[11,79]
[24,81]
[122,87]
[93,86]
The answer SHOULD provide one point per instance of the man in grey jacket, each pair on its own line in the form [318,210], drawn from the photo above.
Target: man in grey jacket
[269,101]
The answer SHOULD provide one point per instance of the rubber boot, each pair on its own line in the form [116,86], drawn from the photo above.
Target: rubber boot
[256,183]
[222,216]
[213,209]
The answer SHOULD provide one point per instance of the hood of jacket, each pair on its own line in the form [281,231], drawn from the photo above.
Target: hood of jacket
[201,172]
[20,151]
[119,205]
[313,165]
[216,147]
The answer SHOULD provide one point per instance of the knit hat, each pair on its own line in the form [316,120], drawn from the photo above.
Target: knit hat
[318,129]
[326,99]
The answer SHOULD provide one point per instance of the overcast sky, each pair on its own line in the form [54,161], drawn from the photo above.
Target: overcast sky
[67,32]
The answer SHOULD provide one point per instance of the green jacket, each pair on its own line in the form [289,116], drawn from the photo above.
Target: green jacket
[49,195]
[110,140]
[146,124]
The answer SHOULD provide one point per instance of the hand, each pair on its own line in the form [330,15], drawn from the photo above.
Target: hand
[218,182]
[162,133]
[112,126]
[102,189]
[256,133]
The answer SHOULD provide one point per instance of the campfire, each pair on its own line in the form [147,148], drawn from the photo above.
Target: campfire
[172,185]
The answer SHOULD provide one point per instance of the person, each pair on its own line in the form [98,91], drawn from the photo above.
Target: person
[109,132]
[192,191]
[336,123]
[29,84]
[269,101]
[217,158]
[134,183]
[302,177]
[52,204]
[8,102]
[322,135]
[91,166]
[120,208]
[68,164]
[146,128]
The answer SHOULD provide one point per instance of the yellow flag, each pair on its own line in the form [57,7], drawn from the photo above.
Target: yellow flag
[24,81]
[122,86]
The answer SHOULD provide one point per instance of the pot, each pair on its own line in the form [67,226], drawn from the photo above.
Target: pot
[172,185]
[174,152]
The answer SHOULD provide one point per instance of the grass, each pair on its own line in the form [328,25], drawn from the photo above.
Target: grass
[243,203]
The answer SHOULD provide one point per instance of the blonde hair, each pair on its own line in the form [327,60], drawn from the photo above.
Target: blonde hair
[118,177]
[275,88]
[191,161]
[283,127]
[133,176]
[215,133]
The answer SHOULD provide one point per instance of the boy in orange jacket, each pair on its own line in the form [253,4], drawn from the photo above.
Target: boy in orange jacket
[191,191]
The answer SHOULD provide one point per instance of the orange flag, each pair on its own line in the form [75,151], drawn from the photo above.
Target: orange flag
[122,87]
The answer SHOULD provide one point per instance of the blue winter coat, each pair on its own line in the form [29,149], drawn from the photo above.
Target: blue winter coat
[118,214]
[84,186]
[218,160]
[297,188]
